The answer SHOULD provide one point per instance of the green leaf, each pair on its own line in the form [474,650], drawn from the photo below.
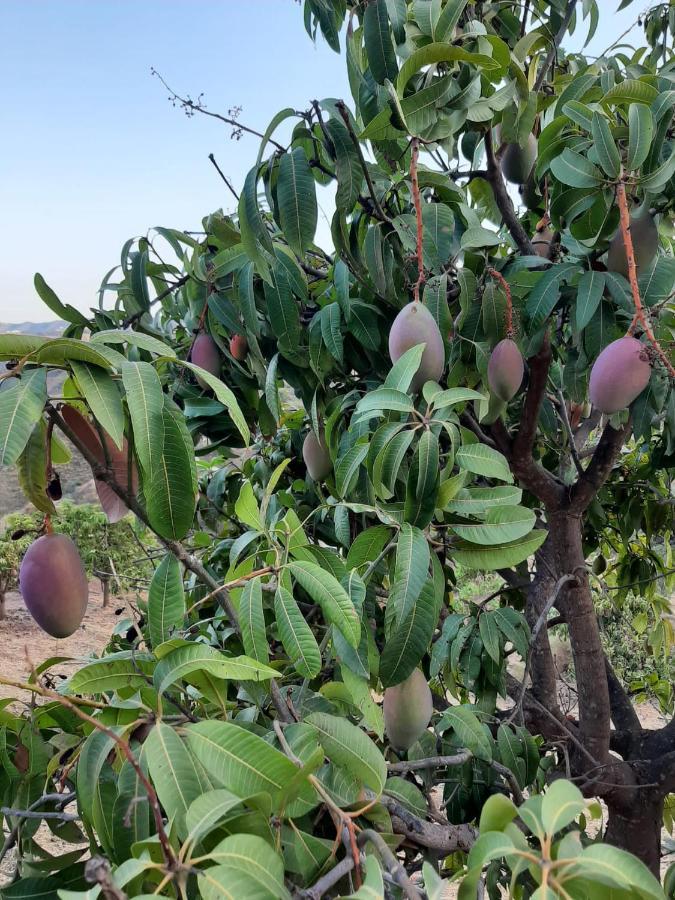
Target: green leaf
[483,460]
[21,404]
[103,397]
[489,846]
[62,310]
[283,310]
[640,135]
[134,339]
[62,351]
[368,546]
[378,42]
[448,19]
[612,866]
[499,556]
[171,492]
[589,295]
[166,601]
[607,151]
[247,855]
[347,469]
[348,746]
[145,402]
[411,571]
[470,732]
[330,330]
[561,804]
[296,196]
[546,292]
[409,642]
[224,394]
[490,635]
[496,813]
[630,91]
[113,672]
[660,176]
[31,469]
[139,280]
[207,811]
[478,237]
[453,396]
[185,660]
[514,628]
[173,773]
[436,53]
[502,525]
[239,760]
[296,635]
[347,167]
[252,621]
[334,601]
[383,399]
[575,170]
[404,369]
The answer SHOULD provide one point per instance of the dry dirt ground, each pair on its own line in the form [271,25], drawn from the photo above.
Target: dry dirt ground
[21,640]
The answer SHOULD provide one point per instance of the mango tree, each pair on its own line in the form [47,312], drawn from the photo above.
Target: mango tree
[476,375]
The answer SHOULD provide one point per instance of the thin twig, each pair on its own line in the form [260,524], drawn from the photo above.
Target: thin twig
[342,109]
[165,293]
[393,866]
[565,419]
[224,177]
[417,201]
[551,55]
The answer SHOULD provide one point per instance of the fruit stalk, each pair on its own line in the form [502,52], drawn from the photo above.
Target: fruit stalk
[640,315]
[493,273]
[417,200]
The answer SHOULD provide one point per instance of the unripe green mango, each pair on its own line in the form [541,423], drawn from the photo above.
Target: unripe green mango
[316,456]
[407,710]
[517,162]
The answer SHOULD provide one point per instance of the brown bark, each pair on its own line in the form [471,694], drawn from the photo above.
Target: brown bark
[3,612]
[635,824]
[542,669]
[105,584]
[576,605]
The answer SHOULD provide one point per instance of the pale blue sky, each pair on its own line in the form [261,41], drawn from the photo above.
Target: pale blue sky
[92,151]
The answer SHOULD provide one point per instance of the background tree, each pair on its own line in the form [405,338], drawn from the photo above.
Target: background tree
[247,718]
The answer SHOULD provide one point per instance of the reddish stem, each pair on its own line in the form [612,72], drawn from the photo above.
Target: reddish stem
[417,200]
[509,303]
[640,314]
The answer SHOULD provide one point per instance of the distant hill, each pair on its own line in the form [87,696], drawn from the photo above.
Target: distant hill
[48,329]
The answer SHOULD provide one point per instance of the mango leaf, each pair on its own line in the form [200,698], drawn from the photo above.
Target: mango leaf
[448,19]
[334,601]
[614,867]
[166,601]
[409,642]
[296,635]
[296,197]
[640,135]
[171,492]
[347,469]
[62,310]
[368,546]
[575,170]
[110,674]
[383,399]
[350,747]
[173,772]
[378,42]
[561,804]
[546,293]
[402,372]
[31,469]
[145,402]
[502,525]
[411,571]
[453,396]
[185,660]
[483,460]
[438,52]
[470,732]
[207,811]
[21,405]
[133,339]
[251,856]
[239,760]
[514,628]
[103,397]
[330,330]
[630,91]
[498,556]
[347,166]
[252,621]
[609,157]
[589,295]
[496,813]
[224,394]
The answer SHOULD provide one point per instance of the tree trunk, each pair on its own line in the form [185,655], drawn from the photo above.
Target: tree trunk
[576,605]
[3,612]
[105,584]
[635,825]
[542,669]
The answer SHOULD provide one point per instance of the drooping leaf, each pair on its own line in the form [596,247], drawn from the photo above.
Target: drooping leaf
[21,406]
[252,621]
[103,397]
[166,600]
[334,601]
[348,746]
[296,196]
[296,635]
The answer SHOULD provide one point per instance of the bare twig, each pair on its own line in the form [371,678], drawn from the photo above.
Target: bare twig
[165,293]
[565,419]
[417,201]
[224,177]
[551,55]
[393,866]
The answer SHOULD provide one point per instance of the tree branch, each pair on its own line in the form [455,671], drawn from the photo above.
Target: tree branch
[342,109]
[599,468]
[165,293]
[543,72]
[444,839]
[503,200]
